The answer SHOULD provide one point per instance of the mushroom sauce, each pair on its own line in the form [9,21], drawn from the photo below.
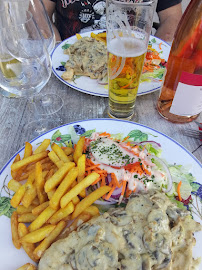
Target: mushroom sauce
[151,232]
[87,57]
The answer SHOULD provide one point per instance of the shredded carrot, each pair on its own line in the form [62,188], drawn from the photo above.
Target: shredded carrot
[103,180]
[105,134]
[101,172]
[110,193]
[89,162]
[92,167]
[128,192]
[178,190]
[135,167]
[126,138]
[145,169]
[123,188]
[111,184]
[96,181]
[115,180]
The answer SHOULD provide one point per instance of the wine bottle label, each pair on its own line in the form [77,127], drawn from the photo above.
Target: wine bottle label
[188,97]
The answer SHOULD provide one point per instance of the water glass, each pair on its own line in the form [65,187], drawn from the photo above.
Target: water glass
[129,26]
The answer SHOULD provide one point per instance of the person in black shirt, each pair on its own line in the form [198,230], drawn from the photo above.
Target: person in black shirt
[169,13]
[73,16]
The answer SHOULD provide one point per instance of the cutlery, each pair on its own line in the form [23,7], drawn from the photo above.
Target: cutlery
[199,124]
[197,134]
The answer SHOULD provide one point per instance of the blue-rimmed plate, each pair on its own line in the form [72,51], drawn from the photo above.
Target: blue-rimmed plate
[90,86]
[173,153]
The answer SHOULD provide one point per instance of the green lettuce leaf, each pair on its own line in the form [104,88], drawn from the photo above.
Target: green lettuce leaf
[152,150]
[88,133]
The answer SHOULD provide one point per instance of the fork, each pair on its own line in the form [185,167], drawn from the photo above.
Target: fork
[197,134]
[199,124]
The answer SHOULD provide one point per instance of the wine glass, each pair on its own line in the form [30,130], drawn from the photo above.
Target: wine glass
[25,65]
[18,8]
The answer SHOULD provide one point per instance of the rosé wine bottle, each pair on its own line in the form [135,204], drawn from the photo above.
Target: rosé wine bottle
[180,100]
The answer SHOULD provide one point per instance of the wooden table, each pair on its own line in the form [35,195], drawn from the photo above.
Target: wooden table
[15,113]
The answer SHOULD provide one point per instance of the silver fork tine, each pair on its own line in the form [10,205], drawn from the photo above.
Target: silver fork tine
[193,133]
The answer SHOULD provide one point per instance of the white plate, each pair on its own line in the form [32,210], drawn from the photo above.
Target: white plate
[90,86]
[173,152]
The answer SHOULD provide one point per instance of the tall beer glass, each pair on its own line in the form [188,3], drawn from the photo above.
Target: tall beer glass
[129,25]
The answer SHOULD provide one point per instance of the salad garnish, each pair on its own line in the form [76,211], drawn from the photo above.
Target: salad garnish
[125,166]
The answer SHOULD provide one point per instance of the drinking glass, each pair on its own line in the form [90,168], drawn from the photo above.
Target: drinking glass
[25,65]
[129,26]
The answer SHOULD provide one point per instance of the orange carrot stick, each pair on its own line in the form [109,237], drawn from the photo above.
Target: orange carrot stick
[116,182]
[126,138]
[178,190]
[105,134]
[96,181]
[110,193]
[103,180]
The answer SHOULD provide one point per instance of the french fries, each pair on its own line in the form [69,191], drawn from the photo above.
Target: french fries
[60,153]
[55,159]
[81,166]
[43,146]
[28,150]
[26,217]
[40,182]
[14,230]
[30,195]
[41,219]
[40,208]
[99,37]
[75,200]
[84,217]
[90,199]
[62,213]
[21,209]
[49,196]
[78,36]
[38,235]
[27,266]
[79,149]
[14,185]
[92,210]
[63,187]
[34,158]
[68,150]
[16,175]
[39,250]
[28,247]
[58,176]
[86,182]
[30,191]
[17,197]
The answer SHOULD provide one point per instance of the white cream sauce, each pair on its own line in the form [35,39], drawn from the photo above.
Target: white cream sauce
[150,233]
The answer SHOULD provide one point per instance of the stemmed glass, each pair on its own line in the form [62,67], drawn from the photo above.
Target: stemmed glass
[17,8]
[25,65]
[12,10]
